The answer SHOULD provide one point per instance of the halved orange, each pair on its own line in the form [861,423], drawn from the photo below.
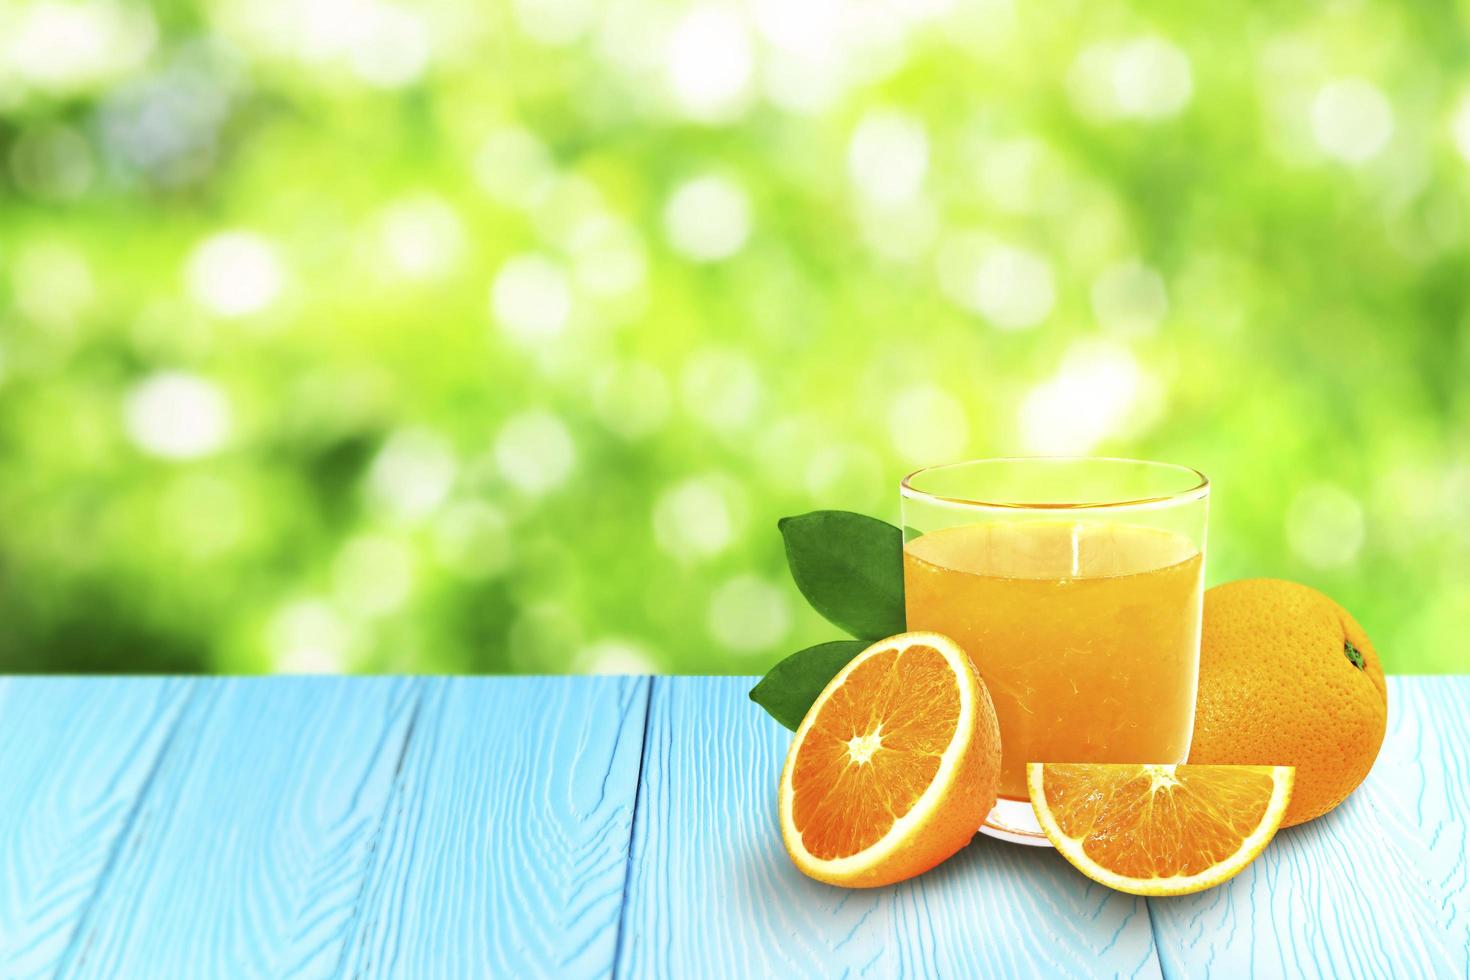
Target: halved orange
[1159,830]
[894,767]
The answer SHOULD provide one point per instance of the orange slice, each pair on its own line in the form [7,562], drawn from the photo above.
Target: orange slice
[1159,830]
[894,767]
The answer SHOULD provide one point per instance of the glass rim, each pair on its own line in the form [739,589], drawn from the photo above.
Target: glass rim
[1198,491]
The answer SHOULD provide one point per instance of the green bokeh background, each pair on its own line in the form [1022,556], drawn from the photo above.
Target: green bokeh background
[458,336]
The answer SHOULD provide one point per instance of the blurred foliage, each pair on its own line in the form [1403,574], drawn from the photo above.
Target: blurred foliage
[339,335]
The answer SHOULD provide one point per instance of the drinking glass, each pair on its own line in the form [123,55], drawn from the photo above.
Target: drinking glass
[1076,586]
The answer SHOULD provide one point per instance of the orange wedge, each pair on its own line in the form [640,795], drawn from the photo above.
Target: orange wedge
[1159,830]
[894,767]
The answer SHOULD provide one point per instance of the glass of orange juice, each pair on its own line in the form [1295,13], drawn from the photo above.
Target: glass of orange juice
[1076,586]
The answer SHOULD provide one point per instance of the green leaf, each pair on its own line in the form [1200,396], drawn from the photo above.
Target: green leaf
[789,688]
[850,568]
[1354,655]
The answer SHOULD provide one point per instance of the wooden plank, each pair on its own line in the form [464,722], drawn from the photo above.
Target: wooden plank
[248,852]
[506,844]
[1430,800]
[75,755]
[1375,888]
[712,892]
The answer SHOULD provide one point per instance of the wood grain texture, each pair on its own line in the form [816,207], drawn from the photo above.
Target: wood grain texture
[1378,887]
[505,847]
[1425,781]
[713,894]
[247,854]
[75,755]
[460,827]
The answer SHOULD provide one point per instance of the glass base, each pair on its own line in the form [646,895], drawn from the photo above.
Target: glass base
[1015,821]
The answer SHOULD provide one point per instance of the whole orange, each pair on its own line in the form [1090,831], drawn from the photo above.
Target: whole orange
[1288,678]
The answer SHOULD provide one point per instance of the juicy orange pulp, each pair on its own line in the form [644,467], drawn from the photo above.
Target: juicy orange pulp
[1159,829]
[894,767]
[874,748]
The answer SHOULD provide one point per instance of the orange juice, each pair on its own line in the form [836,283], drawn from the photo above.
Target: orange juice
[1087,635]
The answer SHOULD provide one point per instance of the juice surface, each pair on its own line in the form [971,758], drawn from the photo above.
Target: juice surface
[1086,635]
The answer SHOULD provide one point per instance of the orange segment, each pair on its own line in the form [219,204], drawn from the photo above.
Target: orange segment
[1159,829]
[894,767]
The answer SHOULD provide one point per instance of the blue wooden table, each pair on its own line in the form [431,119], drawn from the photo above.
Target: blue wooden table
[457,827]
